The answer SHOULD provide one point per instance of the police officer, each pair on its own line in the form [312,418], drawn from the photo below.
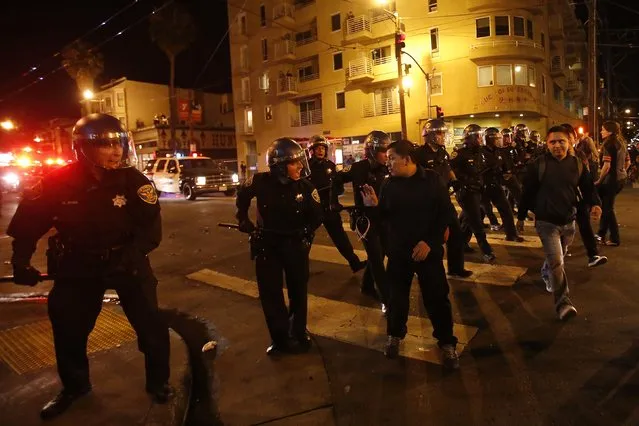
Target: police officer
[513,163]
[322,173]
[108,219]
[468,163]
[523,143]
[433,156]
[416,209]
[365,220]
[288,213]
[493,191]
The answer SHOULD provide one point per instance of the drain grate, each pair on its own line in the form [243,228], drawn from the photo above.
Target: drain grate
[30,347]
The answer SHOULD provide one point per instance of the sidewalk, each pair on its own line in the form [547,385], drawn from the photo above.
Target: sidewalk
[117,376]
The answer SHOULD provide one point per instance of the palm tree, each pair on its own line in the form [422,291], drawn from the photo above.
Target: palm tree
[83,63]
[173,30]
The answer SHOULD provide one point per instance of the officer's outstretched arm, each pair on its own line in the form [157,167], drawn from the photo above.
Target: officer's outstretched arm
[245,194]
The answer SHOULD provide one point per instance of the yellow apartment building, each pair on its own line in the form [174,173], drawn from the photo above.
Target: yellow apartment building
[304,67]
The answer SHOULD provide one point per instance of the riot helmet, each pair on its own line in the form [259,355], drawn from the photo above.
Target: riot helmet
[376,142]
[472,135]
[282,152]
[535,136]
[508,136]
[521,131]
[435,132]
[493,138]
[102,141]
[317,141]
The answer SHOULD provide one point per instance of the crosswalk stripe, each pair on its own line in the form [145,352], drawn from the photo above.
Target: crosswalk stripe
[349,323]
[496,240]
[483,273]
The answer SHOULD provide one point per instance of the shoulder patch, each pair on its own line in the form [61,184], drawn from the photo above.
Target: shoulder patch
[315,195]
[453,154]
[34,192]
[147,194]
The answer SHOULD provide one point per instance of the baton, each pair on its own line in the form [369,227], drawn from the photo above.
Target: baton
[228,225]
[10,278]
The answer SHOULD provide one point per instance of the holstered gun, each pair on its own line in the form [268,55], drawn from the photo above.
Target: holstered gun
[54,253]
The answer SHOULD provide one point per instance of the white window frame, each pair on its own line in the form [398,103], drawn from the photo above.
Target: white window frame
[336,106]
[441,84]
[245,81]
[263,9]
[532,72]
[492,75]
[490,23]
[436,30]
[333,57]
[119,96]
[509,26]
[530,34]
[340,22]
[544,85]
[266,108]
[264,47]
[524,26]
[524,72]
[242,30]
[432,6]
[510,73]
[244,55]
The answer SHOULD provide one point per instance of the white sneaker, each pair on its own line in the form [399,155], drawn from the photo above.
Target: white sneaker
[566,311]
[596,261]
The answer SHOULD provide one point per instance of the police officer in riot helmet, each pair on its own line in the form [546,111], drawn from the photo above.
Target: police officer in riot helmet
[535,136]
[366,220]
[323,171]
[469,163]
[107,217]
[524,143]
[289,212]
[514,162]
[433,156]
[493,178]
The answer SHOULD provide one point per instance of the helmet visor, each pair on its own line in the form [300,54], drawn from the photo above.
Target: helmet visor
[111,150]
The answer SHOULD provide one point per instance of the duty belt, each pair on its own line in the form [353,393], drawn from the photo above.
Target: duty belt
[91,253]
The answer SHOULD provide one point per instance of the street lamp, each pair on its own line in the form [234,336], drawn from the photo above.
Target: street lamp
[7,125]
[88,94]
[627,111]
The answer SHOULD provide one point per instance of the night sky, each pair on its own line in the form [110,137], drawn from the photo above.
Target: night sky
[32,33]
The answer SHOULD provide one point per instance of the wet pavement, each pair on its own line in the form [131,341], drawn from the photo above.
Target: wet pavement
[521,367]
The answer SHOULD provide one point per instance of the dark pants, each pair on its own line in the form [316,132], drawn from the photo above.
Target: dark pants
[434,288]
[375,273]
[335,228]
[470,218]
[608,193]
[514,191]
[487,210]
[495,194]
[285,257]
[585,230]
[74,306]
[455,244]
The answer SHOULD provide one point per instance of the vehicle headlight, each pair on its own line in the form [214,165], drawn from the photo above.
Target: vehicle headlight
[235,178]
[11,178]
[201,180]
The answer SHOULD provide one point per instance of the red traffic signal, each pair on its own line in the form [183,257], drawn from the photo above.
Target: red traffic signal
[440,111]
[400,38]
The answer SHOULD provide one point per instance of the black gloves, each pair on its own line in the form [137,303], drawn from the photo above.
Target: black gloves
[246,226]
[26,275]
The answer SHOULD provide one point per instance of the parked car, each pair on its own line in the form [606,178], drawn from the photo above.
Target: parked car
[191,176]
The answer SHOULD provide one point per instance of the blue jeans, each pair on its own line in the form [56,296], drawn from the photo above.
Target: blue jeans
[555,240]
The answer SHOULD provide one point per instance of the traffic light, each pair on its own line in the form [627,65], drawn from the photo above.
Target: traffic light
[400,38]
[440,111]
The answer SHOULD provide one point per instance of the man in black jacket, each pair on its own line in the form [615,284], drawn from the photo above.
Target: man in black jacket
[553,185]
[416,208]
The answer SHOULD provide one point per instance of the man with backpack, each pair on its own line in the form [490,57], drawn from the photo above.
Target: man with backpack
[552,187]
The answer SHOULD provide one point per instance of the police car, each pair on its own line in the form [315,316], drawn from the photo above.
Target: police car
[191,176]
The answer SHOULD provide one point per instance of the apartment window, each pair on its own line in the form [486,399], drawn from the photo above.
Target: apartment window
[483,27]
[107,102]
[436,84]
[264,49]
[381,55]
[434,40]
[529,29]
[543,40]
[241,21]
[521,75]
[263,81]
[337,61]
[485,76]
[307,71]
[504,75]
[336,22]
[556,93]
[432,5]
[543,84]
[262,15]
[268,113]
[502,25]
[340,100]
[244,58]
[248,120]
[518,26]
[246,89]
[120,99]
[532,78]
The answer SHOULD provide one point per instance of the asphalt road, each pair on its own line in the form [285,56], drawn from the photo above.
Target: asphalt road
[519,366]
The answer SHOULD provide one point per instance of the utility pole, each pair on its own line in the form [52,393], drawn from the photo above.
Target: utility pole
[399,45]
[594,81]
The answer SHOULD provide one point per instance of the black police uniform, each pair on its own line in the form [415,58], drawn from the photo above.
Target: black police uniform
[359,174]
[439,162]
[493,192]
[415,209]
[513,163]
[322,173]
[106,229]
[468,163]
[288,213]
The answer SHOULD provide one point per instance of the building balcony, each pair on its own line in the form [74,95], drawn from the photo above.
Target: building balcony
[534,6]
[242,68]
[556,28]
[239,35]
[307,118]
[245,127]
[284,51]
[284,13]
[557,67]
[360,70]
[358,29]
[309,77]
[380,107]
[299,4]
[574,86]
[507,49]
[243,99]
[287,86]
